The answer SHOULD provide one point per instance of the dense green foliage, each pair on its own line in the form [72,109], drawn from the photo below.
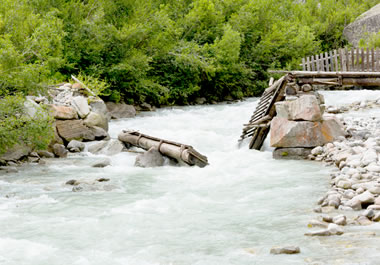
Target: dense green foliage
[18,126]
[165,51]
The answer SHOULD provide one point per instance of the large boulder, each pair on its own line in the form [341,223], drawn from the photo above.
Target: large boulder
[364,26]
[74,130]
[60,112]
[75,146]
[96,119]
[99,106]
[113,147]
[121,110]
[291,153]
[287,133]
[16,153]
[81,105]
[305,108]
[100,133]
[151,158]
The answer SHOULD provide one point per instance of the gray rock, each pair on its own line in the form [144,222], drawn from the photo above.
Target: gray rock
[369,213]
[31,107]
[98,106]
[104,162]
[340,220]
[317,151]
[335,229]
[285,250]
[16,153]
[96,119]
[96,147]
[376,218]
[291,153]
[100,133]
[121,110]
[74,130]
[60,150]
[317,223]
[81,106]
[151,158]
[32,159]
[363,220]
[113,147]
[365,197]
[75,146]
[324,232]
[365,25]
[147,107]
[377,201]
[200,101]
[354,203]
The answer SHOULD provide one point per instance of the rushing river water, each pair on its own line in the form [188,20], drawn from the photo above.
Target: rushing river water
[230,212]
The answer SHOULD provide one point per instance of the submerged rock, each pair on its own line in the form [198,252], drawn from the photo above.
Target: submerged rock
[151,158]
[285,250]
[104,162]
[291,153]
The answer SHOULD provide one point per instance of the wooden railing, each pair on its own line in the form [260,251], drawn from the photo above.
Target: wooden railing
[344,60]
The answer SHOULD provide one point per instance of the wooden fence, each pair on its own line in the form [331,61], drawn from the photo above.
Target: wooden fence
[344,60]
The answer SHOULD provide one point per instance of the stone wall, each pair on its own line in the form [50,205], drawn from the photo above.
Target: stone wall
[301,125]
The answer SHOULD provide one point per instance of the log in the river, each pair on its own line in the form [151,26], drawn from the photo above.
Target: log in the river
[180,152]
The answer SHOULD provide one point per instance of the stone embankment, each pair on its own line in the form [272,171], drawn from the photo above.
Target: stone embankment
[80,124]
[350,144]
[355,182]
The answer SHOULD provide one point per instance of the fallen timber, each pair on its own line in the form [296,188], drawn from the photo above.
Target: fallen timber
[180,152]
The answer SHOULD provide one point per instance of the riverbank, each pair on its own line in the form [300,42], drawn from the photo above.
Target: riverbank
[355,180]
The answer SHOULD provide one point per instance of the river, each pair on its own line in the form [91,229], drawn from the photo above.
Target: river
[230,212]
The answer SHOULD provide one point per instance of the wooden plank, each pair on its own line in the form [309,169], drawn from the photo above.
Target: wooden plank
[352,59]
[373,60]
[342,61]
[317,62]
[303,64]
[332,61]
[376,59]
[308,64]
[322,62]
[362,62]
[336,61]
[357,68]
[368,64]
[347,58]
[327,65]
[312,63]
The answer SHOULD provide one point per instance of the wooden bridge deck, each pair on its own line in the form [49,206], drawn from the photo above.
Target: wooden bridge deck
[358,67]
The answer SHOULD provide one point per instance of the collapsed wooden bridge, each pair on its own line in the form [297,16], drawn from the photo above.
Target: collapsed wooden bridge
[355,67]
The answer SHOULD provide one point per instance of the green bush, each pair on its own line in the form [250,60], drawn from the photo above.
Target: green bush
[17,126]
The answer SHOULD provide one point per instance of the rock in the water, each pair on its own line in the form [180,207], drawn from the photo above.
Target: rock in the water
[96,119]
[74,130]
[16,153]
[287,133]
[285,250]
[151,158]
[113,147]
[72,182]
[363,220]
[104,162]
[81,105]
[340,220]
[96,147]
[60,150]
[335,229]
[121,110]
[291,153]
[63,112]
[75,146]
[365,25]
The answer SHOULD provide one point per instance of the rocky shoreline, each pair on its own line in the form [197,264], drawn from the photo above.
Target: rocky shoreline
[355,179]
